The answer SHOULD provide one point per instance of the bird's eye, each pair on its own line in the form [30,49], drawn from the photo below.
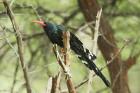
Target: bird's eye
[45,23]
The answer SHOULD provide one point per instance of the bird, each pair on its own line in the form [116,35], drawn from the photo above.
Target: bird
[55,34]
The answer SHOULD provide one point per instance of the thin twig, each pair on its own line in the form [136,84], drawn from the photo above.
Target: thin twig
[14,79]
[85,26]
[19,43]
[95,49]
[9,43]
[117,76]
[114,57]
[60,61]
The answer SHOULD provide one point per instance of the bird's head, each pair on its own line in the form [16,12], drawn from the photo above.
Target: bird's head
[41,23]
[46,25]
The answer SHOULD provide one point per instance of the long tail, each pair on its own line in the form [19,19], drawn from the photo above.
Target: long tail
[89,58]
[85,55]
[93,67]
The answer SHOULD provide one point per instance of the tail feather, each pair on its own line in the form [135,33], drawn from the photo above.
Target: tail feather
[99,73]
[85,55]
[88,57]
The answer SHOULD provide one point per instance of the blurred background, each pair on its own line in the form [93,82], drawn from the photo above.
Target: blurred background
[122,15]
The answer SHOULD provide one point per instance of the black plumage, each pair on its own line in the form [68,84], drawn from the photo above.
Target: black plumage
[55,32]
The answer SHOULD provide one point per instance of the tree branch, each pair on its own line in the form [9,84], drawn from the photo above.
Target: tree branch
[95,47]
[14,79]
[66,40]
[19,43]
[65,64]
[56,83]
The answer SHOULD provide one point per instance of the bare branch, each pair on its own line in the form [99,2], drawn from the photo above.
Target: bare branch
[56,83]
[60,61]
[95,49]
[14,79]
[49,85]
[19,43]
[66,40]
[9,43]
[117,54]
[65,65]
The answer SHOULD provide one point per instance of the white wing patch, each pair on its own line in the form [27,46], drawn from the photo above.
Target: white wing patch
[91,56]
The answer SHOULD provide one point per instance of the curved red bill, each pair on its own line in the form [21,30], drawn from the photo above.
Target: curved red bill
[39,22]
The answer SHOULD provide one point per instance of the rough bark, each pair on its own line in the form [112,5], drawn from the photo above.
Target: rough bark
[108,47]
[56,83]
